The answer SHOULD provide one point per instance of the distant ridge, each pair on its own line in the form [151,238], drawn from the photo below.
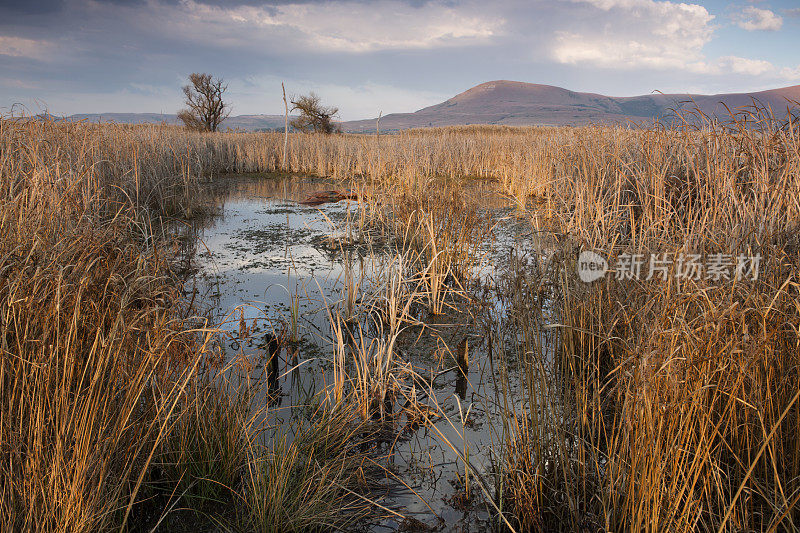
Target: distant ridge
[240,122]
[515,103]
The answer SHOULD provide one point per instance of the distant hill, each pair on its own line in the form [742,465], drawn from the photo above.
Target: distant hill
[240,122]
[516,103]
[513,103]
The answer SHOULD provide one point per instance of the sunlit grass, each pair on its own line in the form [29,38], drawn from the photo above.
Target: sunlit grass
[648,405]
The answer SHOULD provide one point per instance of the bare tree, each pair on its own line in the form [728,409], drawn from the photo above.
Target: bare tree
[205,108]
[313,115]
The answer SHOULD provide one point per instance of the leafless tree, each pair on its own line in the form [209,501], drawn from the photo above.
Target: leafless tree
[205,109]
[313,115]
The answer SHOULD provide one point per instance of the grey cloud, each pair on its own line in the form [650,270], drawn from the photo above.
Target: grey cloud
[30,7]
[138,54]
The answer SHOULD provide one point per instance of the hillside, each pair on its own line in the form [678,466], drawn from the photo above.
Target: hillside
[240,122]
[516,103]
[513,103]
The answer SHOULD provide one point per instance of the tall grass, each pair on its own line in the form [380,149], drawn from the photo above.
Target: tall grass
[95,353]
[113,413]
[310,478]
[160,166]
[649,404]
[668,404]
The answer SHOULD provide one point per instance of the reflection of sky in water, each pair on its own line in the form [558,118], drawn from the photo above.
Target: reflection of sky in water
[260,251]
[264,247]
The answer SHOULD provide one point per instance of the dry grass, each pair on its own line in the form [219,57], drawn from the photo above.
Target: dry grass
[650,405]
[311,478]
[112,412]
[94,350]
[668,405]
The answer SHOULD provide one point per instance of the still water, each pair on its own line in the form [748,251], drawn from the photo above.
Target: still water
[265,265]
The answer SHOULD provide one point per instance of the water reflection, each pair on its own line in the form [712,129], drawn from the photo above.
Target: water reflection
[268,269]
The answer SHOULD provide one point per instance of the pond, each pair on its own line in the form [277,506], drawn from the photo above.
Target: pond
[265,264]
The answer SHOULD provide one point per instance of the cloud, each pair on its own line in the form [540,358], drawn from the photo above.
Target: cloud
[657,35]
[763,69]
[27,48]
[364,55]
[347,26]
[741,65]
[752,18]
[630,34]
[18,84]
[790,74]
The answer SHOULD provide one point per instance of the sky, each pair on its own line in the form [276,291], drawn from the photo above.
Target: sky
[366,57]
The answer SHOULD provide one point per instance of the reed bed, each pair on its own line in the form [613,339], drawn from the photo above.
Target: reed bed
[159,165]
[95,353]
[666,403]
[115,412]
[649,404]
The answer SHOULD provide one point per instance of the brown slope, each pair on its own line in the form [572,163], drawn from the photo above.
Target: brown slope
[238,122]
[517,103]
[776,99]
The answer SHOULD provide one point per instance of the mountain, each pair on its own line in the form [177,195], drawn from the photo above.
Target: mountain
[515,103]
[240,122]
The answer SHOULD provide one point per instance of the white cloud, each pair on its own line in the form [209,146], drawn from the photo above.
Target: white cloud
[345,26]
[134,56]
[633,34]
[20,47]
[752,18]
[743,65]
[649,34]
[791,74]
[733,65]
[765,70]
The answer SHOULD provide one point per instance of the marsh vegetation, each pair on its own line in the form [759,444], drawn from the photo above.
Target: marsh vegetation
[186,347]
